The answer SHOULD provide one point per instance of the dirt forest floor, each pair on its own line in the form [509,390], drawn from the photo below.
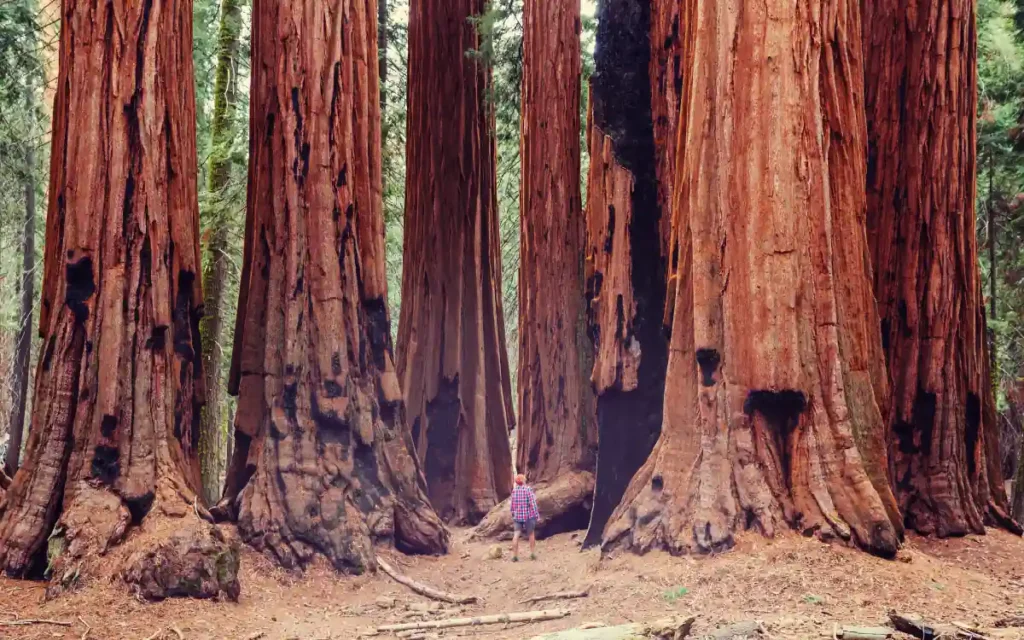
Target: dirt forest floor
[798,588]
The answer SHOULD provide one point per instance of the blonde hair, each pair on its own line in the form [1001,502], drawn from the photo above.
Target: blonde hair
[520,479]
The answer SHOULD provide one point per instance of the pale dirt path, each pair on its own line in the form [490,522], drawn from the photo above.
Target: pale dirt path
[798,587]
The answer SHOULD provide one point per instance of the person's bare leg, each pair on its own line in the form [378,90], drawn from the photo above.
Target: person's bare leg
[533,545]
[515,545]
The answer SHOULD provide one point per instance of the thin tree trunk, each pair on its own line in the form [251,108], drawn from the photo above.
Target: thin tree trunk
[215,271]
[452,359]
[119,382]
[769,390]
[625,268]
[921,228]
[323,465]
[24,347]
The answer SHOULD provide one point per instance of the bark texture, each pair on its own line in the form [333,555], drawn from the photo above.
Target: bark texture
[666,74]
[23,354]
[215,270]
[119,383]
[321,460]
[452,360]
[625,269]
[557,431]
[921,95]
[769,388]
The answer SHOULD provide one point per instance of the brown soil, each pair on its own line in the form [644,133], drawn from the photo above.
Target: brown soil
[799,587]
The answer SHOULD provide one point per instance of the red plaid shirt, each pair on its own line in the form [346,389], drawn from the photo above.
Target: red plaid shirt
[524,504]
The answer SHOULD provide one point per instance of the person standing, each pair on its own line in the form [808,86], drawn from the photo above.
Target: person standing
[524,516]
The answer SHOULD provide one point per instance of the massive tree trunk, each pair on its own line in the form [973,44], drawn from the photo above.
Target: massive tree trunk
[321,460]
[119,384]
[215,270]
[625,267]
[921,188]
[666,74]
[27,289]
[451,341]
[557,434]
[769,394]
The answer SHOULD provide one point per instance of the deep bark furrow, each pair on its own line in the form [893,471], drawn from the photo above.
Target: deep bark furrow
[452,359]
[625,268]
[921,218]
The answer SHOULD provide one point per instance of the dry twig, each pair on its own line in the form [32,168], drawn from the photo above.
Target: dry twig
[25,623]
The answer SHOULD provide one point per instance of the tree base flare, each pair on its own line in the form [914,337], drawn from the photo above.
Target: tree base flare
[564,506]
[698,489]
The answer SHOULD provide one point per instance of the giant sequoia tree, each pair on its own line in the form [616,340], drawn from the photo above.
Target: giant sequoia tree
[114,427]
[557,435]
[921,94]
[770,396]
[451,343]
[321,461]
[625,265]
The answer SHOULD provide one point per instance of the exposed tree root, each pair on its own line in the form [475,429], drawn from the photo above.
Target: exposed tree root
[564,506]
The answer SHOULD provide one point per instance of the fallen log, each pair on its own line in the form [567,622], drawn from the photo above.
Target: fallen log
[564,506]
[498,618]
[667,629]
[421,588]
[560,595]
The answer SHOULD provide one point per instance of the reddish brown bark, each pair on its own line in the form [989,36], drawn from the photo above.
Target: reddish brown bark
[320,460]
[769,388]
[119,383]
[921,173]
[557,432]
[666,75]
[451,342]
[625,268]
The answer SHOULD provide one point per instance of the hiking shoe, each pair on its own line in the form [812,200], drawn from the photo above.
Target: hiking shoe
[515,558]
[533,556]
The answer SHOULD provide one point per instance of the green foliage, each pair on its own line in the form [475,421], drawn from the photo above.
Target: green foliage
[674,594]
[1000,190]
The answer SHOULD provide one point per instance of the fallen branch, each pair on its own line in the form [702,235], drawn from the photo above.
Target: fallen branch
[498,618]
[25,623]
[423,589]
[561,595]
[88,628]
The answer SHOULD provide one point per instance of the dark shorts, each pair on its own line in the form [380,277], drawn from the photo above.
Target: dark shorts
[526,526]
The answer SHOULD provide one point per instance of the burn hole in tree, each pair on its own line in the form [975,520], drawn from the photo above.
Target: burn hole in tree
[444,420]
[80,287]
[780,411]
